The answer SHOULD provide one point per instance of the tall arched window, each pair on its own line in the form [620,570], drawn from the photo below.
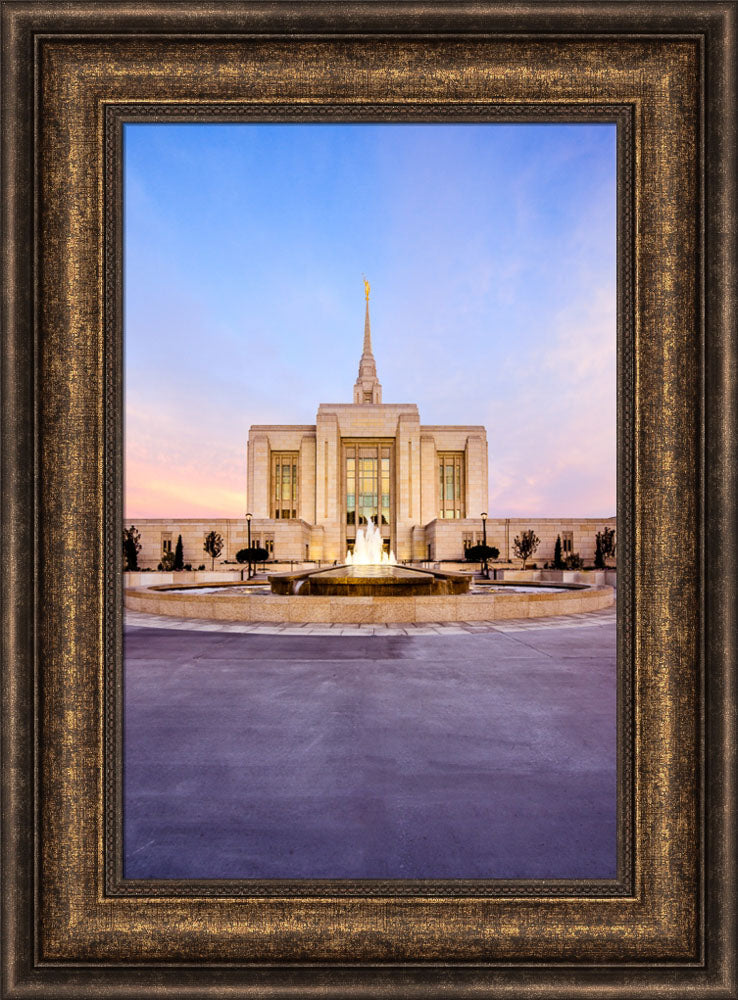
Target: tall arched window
[284,485]
[451,485]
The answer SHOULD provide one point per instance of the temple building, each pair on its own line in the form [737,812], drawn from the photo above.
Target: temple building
[310,486]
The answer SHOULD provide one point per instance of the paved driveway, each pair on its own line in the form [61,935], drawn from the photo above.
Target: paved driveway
[478,755]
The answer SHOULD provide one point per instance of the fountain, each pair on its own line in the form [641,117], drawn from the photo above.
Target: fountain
[369,571]
[369,549]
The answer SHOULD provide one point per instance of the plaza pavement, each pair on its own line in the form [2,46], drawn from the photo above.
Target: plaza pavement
[452,750]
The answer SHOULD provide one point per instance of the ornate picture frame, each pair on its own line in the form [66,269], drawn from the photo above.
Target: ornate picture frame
[72,73]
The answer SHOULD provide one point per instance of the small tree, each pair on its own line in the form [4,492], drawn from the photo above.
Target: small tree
[131,547]
[525,545]
[213,546]
[558,561]
[253,555]
[178,555]
[599,562]
[607,542]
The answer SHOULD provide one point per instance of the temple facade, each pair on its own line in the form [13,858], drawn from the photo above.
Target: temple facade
[309,487]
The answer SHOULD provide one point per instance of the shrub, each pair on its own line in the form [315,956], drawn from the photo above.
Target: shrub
[574,561]
[255,554]
[167,562]
[478,553]
[605,545]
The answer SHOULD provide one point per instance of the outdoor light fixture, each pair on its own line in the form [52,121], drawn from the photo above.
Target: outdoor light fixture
[248,524]
[485,568]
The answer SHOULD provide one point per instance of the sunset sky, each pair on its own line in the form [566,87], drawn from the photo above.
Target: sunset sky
[491,254]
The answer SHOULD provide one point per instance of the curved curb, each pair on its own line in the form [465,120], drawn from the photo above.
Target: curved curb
[367,610]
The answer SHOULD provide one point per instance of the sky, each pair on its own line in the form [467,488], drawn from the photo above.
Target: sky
[491,253]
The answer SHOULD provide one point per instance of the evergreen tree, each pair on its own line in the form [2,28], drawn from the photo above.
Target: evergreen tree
[558,561]
[131,547]
[179,555]
[599,562]
[608,542]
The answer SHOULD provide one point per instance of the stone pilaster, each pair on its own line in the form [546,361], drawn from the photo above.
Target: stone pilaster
[257,493]
[428,479]
[407,482]
[329,484]
[476,475]
[306,485]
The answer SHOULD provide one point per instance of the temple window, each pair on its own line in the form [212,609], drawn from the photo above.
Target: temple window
[284,485]
[451,486]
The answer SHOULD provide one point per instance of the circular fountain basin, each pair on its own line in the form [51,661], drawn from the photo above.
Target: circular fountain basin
[253,603]
[369,581]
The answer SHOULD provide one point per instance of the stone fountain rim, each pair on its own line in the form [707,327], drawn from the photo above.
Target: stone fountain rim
[548,586]
[302,574]
[425,608]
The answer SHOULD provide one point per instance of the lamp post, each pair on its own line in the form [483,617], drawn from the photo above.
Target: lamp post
[248,525]
[485,568]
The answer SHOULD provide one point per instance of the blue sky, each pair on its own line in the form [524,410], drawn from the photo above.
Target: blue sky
[491,252]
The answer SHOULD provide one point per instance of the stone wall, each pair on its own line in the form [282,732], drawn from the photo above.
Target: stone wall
[286,539]
[299,540]
[446,538]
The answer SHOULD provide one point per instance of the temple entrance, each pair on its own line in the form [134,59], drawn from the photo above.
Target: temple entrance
[368,488]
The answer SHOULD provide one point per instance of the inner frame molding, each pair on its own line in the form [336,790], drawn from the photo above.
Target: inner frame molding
[64,69]
[115,117]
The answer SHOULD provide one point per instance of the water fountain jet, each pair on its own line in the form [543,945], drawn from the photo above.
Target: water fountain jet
[369,549]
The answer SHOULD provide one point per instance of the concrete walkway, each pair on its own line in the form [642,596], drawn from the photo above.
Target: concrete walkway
[584,620]
[455,753]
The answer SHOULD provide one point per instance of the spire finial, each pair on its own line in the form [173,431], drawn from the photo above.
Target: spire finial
[367,288]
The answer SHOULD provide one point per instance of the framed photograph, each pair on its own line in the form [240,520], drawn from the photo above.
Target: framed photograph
[369,480]
[328,664]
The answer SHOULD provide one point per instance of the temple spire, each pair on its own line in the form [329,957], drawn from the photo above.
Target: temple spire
[367,388]
[367,328]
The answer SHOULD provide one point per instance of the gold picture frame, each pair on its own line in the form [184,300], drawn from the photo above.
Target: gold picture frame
[72,73]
